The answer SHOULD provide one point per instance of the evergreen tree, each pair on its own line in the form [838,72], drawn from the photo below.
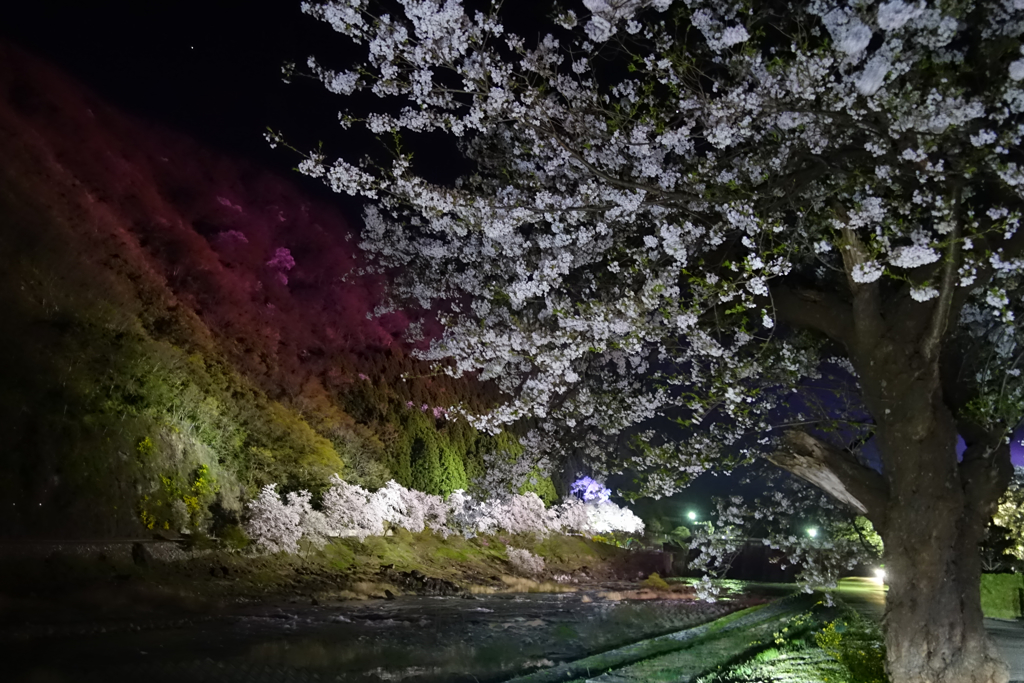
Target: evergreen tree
[426,463]
[453,471]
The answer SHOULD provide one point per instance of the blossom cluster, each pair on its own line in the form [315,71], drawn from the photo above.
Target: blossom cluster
[281,263]
[612,256]
[348,510]
[525,561]
[588,489]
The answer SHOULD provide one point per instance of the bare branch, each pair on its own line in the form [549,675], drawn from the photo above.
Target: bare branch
[835,472]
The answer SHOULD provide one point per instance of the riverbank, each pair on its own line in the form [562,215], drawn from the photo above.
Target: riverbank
[69,580]
[404,606]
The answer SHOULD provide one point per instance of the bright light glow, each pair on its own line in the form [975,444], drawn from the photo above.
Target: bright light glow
[812,532]
[880,576]
[691,515]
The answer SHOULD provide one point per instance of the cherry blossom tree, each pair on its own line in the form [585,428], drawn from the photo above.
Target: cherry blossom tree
[275,526]
[588,489]
[696,210]
[350,510]
[525,561]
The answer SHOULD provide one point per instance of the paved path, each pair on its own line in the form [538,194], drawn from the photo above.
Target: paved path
[1009,638]
[868,598]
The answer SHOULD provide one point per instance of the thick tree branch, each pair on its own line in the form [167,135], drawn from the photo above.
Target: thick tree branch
[867,306]
[931,344]
[814,310]
[835,472]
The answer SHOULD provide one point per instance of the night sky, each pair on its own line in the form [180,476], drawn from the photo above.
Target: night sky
[211,69]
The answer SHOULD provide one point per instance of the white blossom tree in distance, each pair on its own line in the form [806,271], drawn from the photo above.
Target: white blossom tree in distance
[707,212]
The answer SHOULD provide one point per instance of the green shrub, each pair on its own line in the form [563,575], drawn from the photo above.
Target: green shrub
[541,485]
[145,448]
[234,537]
[656,582]
[679,536]
[857,645]
[1002,595]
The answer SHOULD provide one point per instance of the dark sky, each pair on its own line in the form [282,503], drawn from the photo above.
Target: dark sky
[213,69]
[210,69]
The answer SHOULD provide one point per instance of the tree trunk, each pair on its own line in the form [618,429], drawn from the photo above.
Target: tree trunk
[934,630]
[930,510]
[935,517]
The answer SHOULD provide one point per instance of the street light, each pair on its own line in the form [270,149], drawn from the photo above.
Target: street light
[691,515]
[812,532]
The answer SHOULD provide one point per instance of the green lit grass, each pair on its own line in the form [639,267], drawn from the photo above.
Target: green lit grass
[822,646]
[732,588]
[1002,595]
[793,665]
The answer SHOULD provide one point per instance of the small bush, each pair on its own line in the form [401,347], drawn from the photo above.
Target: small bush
[656,582]
[857,645]
[234,537]
[145,448]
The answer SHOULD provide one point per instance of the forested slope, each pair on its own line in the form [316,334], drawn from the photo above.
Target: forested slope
[181,328]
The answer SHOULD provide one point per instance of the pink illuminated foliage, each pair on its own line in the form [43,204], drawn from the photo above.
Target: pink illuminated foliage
[213,228]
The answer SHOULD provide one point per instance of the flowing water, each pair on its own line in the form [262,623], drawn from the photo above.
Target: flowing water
[489,638]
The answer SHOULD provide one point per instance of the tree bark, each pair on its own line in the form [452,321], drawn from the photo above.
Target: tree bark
[934,628]
[936,513]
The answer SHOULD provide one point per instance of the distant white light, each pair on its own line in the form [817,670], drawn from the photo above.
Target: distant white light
[880,575]
[812,532]
[691,515]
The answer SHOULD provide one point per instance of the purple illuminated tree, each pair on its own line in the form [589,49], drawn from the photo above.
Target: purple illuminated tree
[588,489]
[693,212]
[282,262]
